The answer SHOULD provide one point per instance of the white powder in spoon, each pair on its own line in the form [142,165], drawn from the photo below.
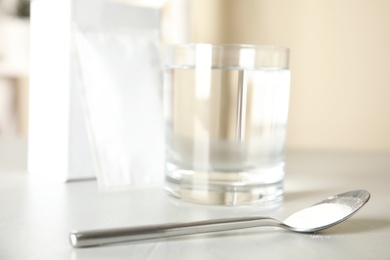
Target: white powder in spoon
[318,215]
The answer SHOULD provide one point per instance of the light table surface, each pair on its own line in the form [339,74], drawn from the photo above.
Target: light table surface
[36,216]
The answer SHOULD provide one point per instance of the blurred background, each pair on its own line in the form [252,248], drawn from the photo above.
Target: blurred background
[14,82]
[340,63]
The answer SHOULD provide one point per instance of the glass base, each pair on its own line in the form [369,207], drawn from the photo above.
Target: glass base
[259,186]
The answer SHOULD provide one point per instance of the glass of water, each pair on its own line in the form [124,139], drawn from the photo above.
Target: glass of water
[225,109]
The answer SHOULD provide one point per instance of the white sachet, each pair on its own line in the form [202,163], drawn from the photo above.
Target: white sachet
[120,74]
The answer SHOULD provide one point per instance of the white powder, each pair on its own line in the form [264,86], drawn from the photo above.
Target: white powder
[318,215]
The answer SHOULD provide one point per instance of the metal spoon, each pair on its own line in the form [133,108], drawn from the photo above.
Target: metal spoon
[322,215]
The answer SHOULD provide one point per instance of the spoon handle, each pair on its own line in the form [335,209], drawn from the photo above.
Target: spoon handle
[127,234]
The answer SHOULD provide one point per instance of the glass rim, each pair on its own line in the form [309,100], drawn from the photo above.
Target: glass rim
[230,45]
[250,56]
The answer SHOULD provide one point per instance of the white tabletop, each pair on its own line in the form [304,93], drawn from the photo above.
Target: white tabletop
[36,216]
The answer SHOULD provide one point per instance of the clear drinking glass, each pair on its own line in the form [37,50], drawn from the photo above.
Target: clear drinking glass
[225,109]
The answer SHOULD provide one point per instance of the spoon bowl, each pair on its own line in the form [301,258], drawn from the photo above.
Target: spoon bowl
[328,212]
[319,216]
